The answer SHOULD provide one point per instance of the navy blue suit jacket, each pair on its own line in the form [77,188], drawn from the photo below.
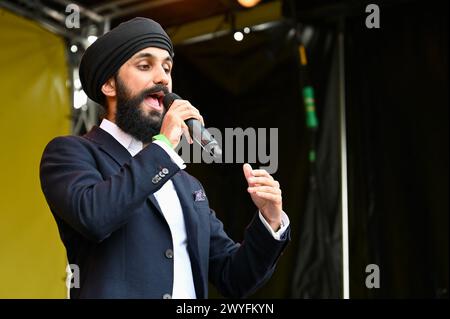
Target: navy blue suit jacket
[113,229]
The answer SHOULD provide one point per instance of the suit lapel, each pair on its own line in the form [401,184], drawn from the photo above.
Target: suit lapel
[191,219]
[183,187]
[155,203]
[109,145]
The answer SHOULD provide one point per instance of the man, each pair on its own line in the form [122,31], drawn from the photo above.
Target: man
[136,224]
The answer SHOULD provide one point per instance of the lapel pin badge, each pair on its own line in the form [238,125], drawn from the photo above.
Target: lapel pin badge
[199,196]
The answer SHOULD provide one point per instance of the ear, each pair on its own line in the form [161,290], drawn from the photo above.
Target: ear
[109,87]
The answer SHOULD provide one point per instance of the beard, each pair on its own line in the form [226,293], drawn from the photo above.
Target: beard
[132,118]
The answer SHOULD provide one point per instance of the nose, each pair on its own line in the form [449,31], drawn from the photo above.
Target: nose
[161,77]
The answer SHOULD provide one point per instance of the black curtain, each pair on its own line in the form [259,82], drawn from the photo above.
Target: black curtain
[318,266]
[397,108]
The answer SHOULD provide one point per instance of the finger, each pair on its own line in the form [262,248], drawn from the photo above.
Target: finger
[264,173]
[184,109]
[189,107]
[183,105]
[264,189]
[271,197]
[261,172]
[189,114]
[186,133]
[178,104]
[247,171]
[263,181]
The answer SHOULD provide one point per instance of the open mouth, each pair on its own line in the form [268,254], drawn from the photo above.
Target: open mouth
[155,100]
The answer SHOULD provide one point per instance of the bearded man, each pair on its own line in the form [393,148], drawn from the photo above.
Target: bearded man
[133,221]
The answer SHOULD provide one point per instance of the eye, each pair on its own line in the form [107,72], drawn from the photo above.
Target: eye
[143,67]
[167,68]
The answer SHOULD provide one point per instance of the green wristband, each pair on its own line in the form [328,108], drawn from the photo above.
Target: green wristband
[162,138]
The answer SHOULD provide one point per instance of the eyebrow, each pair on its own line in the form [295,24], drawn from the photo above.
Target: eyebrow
[149,55]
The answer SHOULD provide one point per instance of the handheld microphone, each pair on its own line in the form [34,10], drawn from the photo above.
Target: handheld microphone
[197,131]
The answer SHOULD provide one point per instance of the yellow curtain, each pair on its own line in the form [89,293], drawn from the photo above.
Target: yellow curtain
[34,108]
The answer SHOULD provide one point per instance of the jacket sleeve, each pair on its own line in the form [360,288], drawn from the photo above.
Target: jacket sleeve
[237,270]
[78,194]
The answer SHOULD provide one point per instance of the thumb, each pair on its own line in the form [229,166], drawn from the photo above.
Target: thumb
[186,133]
[247,171]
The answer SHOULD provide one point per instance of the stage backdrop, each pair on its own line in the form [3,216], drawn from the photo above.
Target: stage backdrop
[34,108]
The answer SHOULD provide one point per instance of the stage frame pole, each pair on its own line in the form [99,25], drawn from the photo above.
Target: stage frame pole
[343,161]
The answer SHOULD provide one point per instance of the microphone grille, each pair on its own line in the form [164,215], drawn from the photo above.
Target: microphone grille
[169,98]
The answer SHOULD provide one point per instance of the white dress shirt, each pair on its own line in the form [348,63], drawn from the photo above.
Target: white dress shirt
[168,201]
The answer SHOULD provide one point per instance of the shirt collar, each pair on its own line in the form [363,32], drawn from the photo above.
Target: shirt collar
[133,145]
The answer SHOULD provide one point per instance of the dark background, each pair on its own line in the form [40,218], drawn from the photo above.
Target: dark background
[397,89]
[396,81]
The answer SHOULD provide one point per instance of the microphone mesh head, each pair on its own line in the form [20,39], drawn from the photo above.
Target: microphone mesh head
[169,98]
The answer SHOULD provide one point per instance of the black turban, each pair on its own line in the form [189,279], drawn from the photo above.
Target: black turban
[106,55]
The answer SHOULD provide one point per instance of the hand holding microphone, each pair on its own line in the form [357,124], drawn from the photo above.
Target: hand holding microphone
[173,125]
[182,117]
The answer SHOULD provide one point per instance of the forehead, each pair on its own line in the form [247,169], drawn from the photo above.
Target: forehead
[152,52]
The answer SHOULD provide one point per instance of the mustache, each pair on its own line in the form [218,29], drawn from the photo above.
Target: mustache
[154,89]
[134,101]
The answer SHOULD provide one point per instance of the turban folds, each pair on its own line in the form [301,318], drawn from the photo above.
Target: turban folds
[106,55]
